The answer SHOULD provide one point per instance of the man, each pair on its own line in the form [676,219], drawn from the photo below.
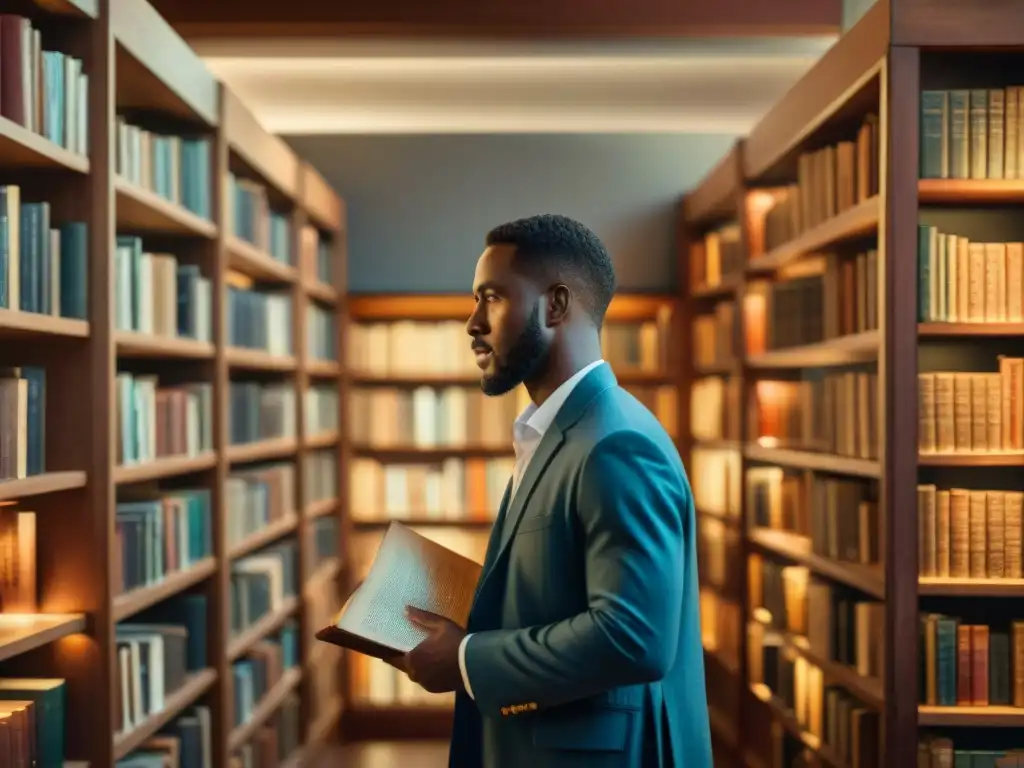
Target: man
[583,644]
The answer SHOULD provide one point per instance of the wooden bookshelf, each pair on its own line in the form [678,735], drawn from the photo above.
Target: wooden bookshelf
[909,199]
[409,356]
[129,454]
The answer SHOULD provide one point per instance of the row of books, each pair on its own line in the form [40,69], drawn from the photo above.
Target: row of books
[961,280]
[321,333]
[415,347]
[835,413]
[159,534]
[453,489]
[839,624]
[262,666]
[966,533]
[261,583]
[320,469]
[839,516]
[177,168]
[47,89]
[259,319]
[260,411]
[248,215]
[718,256]
[155,294]
[971,133]
[842,723]
[836,295]
[970,664]
[830,180]
[432,417]
[155,422]
[322,409]
[962,412]
[43,262]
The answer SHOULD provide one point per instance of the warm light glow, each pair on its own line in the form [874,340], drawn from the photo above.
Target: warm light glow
[458,87]
[759,202]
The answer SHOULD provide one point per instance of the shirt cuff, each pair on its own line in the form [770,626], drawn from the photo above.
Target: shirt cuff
[462,666]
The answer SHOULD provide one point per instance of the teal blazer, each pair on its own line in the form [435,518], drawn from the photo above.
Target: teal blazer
[586,646]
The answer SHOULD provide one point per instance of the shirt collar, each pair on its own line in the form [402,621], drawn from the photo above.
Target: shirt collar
[540,418]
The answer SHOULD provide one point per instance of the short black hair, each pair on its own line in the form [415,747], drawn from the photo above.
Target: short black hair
[563,249]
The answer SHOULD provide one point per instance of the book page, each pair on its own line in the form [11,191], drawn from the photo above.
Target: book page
[409,570]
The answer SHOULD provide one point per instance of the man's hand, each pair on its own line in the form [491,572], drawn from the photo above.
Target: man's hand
[434,663]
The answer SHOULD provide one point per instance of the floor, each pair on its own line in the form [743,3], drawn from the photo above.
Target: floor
[406,754]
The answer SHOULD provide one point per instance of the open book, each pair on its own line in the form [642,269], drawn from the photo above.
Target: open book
[409,569]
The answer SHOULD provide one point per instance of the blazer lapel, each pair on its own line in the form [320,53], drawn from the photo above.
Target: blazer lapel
[597,381]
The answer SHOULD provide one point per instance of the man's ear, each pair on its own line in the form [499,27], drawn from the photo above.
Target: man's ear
[559,301]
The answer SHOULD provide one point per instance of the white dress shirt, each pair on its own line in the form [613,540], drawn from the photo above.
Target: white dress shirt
[527,432]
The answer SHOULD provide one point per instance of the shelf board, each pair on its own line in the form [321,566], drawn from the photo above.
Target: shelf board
[85,9]
[970,191]
[320,508]
[970,329]
[22,148]
[729,368]
[970,717]
[860,220]
[436,453]
[264,536]
[140,599]
[472,378]
[141,210]
[323,368]
[845,350]
[143,345]
[263,627]
[258,360]
[261,449]
[191,690]
[170,466]
[15,324]
[250,260]
[268,705]
[723,290]
[950,587]
[319,291]
[820,462]
[1009,459]
[322,439]
[38,485]
[425,522]
[866,578]
[624,308]
[23,633]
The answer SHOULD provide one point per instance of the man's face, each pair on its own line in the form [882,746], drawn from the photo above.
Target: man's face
[507,324]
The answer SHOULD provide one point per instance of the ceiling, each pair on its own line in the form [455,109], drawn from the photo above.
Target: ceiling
[325,86]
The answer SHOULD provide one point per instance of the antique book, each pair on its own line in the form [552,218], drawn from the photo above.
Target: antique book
[409,569]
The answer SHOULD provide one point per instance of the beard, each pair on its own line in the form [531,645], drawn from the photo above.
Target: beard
[524,359]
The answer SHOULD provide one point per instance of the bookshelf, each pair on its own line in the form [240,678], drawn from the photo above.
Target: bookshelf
[172,320]
[877,324]
[429,449]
